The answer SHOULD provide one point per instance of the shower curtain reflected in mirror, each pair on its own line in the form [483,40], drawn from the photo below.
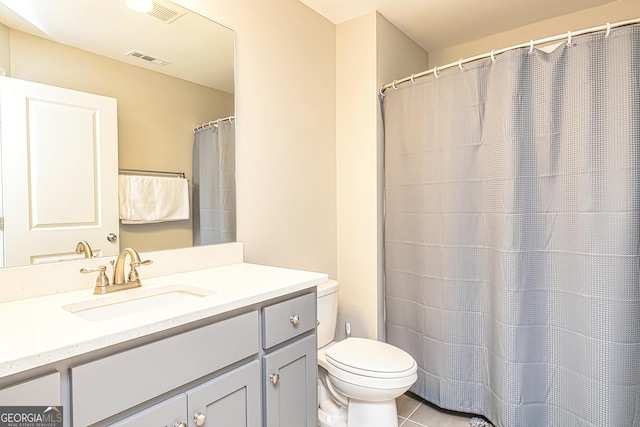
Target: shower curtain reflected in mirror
[512,231]
[214,184]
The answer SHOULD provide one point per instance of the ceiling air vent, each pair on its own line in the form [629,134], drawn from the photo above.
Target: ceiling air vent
[165,11]
[147,58]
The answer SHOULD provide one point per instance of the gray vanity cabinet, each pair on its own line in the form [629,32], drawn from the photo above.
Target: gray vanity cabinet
[253,367]
[290,363]
[231,400]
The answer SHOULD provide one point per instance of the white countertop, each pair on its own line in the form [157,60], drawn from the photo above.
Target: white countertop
[38,331]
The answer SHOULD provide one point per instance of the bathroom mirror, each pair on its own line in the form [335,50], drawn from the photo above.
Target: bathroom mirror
[169,69]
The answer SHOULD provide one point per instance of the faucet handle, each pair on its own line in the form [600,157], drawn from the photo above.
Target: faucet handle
[133,273]
[102,281]
[135,264]
[101,269]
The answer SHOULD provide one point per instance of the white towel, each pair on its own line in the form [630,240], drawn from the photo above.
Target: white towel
[148,199]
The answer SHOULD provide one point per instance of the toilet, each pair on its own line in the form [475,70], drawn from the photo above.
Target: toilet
[358,379]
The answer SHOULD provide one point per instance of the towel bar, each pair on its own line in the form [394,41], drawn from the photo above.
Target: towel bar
[150,172]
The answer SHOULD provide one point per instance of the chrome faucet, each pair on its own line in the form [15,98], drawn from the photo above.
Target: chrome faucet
[118,267]
[83,246]
[119,284]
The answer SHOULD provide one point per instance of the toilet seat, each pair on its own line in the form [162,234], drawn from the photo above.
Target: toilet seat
[371,358]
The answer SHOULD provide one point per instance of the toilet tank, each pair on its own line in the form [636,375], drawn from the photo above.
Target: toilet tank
[327,311]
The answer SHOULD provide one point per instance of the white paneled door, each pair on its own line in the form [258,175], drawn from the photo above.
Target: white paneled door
[59,172]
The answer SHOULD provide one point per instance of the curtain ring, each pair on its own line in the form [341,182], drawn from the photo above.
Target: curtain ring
[460,65]
[393,85]
[569,39]
[412,79]
[606,36]
[493,56]
[381,92]
[531,47]
[435,72]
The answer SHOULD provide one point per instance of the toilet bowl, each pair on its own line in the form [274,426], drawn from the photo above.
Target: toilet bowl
[358,379]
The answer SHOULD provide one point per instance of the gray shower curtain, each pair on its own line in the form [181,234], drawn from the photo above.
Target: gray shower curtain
[512,207]
[214,184]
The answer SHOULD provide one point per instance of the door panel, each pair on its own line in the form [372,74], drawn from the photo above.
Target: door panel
[59,172]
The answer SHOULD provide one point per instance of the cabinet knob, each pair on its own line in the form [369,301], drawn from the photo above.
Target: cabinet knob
[112,237]
[199,418]
[294,319]
[180,424]
[274,378]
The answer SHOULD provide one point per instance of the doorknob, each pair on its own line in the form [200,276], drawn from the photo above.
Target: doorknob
[112,237]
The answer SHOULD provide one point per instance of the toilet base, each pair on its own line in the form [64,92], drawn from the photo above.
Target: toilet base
[367,414]
[330,414]
[362,414]
[327,420]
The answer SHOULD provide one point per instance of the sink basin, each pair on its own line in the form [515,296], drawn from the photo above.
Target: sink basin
[134,301]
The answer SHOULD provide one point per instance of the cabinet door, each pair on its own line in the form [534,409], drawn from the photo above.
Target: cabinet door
[291,385]
[231,400]
[168,413]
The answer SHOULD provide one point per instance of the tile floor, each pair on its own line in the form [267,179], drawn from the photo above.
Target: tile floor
[415,412]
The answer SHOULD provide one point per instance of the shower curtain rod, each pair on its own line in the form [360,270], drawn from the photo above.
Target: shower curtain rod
[531,44]
[213,123]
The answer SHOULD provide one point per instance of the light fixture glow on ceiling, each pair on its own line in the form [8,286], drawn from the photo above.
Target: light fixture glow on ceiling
[142,6]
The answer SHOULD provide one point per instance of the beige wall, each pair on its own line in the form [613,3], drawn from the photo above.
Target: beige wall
[356,172]
[285,130]
[612,12]
[369,51]
[5,60]
[156,116]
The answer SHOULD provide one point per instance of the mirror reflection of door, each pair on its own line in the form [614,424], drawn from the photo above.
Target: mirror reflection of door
[49,206]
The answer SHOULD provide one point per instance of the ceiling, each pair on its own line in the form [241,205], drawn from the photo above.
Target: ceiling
[439,24]
[196,49]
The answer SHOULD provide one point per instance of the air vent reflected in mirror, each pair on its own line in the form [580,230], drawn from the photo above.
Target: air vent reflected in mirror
[147,58]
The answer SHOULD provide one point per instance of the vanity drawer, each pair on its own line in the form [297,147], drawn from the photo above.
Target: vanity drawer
[287,319]
[41,391]
[115,383]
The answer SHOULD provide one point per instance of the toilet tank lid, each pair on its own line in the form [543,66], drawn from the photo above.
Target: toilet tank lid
[327,287]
